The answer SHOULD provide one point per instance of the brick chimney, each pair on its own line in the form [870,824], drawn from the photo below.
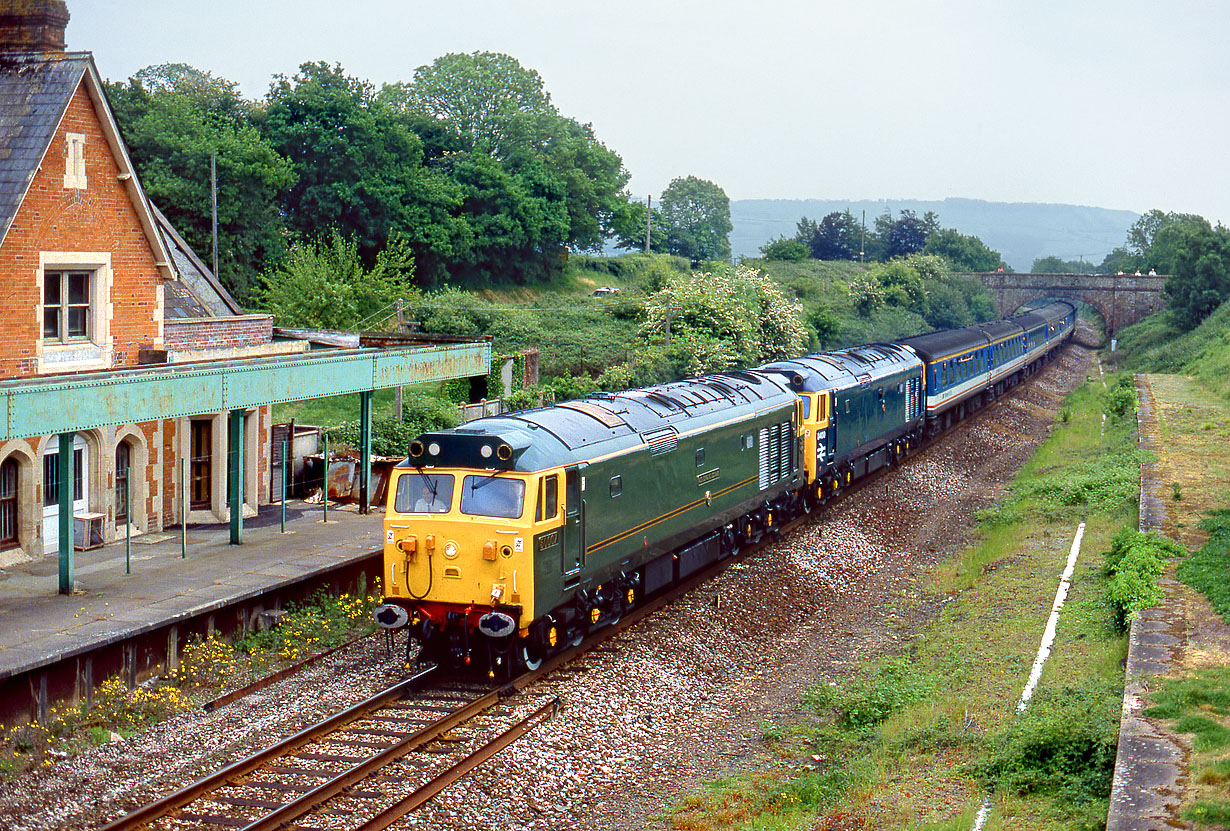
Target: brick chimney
[32,25]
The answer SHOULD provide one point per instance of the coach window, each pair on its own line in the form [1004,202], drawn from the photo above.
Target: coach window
[700,457]
[617,486]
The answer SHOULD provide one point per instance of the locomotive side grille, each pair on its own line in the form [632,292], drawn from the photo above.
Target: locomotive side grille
[776,453]
[661,441]
[764,457]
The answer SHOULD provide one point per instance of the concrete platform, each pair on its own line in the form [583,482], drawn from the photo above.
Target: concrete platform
[1151,766]
[40,628]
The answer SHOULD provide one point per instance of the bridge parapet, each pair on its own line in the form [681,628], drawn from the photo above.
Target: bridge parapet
[1120,298]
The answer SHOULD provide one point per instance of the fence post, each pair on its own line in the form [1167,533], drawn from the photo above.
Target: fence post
[183,508]
[128,523]
[285,462]
[324,484]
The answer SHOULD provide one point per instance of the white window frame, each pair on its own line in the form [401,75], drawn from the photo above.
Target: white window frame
[65,306]
[95,349]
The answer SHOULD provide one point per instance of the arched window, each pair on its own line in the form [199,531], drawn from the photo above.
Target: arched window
[8,503]
[123,461]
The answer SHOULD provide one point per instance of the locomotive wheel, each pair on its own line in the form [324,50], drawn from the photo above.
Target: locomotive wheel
[529,663]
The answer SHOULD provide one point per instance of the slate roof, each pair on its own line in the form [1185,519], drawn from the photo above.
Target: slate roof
[34,92]
[197,292]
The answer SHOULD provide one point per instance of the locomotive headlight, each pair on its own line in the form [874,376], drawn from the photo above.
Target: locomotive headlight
[450,549]
[485,451]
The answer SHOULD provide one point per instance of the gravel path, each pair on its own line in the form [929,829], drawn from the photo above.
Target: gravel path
[682,698]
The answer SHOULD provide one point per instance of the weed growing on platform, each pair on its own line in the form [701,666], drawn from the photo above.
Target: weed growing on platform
[1134,563]
[321,622]
[205,663]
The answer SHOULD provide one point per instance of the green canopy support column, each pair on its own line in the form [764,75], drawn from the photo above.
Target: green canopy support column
[235,457]
[365,450]
[64,470]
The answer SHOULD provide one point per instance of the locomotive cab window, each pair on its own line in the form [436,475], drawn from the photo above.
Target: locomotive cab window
[492,496]
[617,486]
[548,498]
[806,406]
[424,493]
[700,458]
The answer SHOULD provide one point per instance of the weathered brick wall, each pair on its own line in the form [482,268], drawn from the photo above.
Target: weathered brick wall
[100,218]
[204,333]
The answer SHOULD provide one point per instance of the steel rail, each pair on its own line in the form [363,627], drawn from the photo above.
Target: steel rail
[424,794]
[164,806]
[309,801]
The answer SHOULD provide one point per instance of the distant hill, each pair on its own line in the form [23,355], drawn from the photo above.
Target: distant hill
[1020,231]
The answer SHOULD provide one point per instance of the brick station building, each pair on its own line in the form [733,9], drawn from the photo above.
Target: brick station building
[93,279]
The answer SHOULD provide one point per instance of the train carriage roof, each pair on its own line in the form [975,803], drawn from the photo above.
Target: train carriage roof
[936,346]
[844,367]
[575,431]
[1040,316]
[998,330]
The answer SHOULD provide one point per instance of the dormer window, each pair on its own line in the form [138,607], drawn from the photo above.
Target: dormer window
[66,305]
[74,162]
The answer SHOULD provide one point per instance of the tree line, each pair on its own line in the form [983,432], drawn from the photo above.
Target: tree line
[839,236]
[465,175]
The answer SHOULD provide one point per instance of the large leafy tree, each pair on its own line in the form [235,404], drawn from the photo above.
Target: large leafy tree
[487,104]
[479,95]
[354,159]
[1201,276]
[906,236]
[695,215]
[964,251]
[173,118]
[835,237]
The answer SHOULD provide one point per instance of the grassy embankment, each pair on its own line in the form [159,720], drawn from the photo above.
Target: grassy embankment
[921,738]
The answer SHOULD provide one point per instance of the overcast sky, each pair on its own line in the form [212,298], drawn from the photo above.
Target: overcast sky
[1111,103]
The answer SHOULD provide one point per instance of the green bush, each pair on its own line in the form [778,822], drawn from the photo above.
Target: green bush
[863,703]
[1120,399]
[1134,563]
[390,437]
[1063,745]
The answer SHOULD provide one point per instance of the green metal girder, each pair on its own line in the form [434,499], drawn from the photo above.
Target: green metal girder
[66,404]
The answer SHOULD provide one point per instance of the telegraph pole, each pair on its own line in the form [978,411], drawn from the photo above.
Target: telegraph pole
[648,219]
[213,198]
[401,327]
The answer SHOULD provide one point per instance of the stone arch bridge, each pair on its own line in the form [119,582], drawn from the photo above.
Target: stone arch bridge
[1121,298]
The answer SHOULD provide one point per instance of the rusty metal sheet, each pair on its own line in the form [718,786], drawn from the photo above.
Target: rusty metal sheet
[398,367]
